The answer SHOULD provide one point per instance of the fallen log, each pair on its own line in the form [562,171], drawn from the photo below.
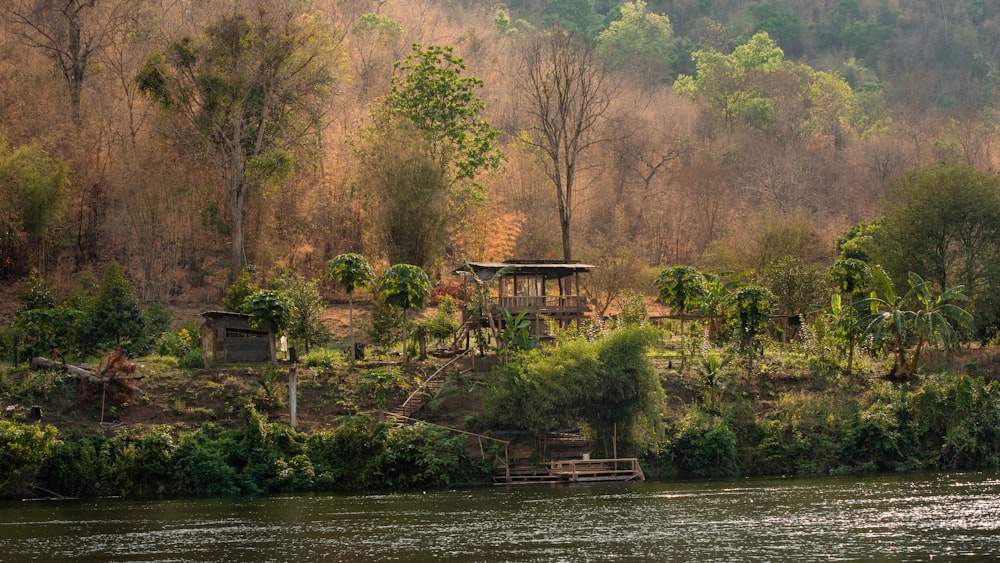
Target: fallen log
[87,375]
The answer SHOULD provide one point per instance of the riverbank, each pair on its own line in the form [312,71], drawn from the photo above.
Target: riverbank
[224,432]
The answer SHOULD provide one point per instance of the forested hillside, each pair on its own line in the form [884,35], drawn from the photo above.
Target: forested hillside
[191,139]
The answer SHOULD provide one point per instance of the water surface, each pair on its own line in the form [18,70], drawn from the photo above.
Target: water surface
[892,518]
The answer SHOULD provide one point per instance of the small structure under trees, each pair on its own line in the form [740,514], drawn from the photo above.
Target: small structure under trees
[539,289]
[228,337]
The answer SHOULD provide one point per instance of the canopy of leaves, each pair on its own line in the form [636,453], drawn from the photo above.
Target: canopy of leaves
[607,384]
[116,316]
[753,84]
[432,94]
[944,223]
[350,271]
[269,309]
[404,286]
[639,34]
[681,287]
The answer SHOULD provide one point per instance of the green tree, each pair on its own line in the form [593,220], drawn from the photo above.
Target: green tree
[754,85]
[248,92]
[779,22]
[944,222]
[236,294]
[306,306]
[683,288]
[115,317]
[610,385]
[749,311]
[851,278]
[32,192]
[421,158]
[627,387]
[405,287]
[798,287]
[269,310]
[639,37]
[350,271]
[577,16]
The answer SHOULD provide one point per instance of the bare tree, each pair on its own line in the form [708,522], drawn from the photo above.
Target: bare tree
[562,83]
[70,33]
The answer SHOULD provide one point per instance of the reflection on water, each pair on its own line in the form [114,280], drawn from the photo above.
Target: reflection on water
[894,518]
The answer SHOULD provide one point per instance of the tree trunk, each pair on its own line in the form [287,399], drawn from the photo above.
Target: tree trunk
[350,324]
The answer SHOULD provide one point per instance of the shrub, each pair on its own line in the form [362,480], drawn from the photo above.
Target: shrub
[26,448]
[200,464]
[705,447]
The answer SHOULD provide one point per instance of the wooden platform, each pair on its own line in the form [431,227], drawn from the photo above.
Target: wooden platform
[574,471]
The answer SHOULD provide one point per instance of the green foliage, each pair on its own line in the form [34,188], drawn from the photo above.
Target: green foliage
[422,157]
[237,293]
[577,16]
[386,324]
[116,319]
[379,382]
[920,317]
[858,242]
[943,222]
[350,456]
[515,334]
[749,312]
[24,448]
[431,93]
[422,455]
[325,360]
[306,306]
[200,465]
[797,287]
[350,271]
[705,446]
[444,324]
[40,331]
[405,287]
[639,37]
[634,312]
[35,293]
[683,288]
[269,309]
[32,194]
[607,384]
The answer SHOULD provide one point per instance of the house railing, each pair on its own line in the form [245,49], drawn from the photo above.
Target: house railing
[543,303]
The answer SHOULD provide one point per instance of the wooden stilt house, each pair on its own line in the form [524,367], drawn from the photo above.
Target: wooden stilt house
[542,290]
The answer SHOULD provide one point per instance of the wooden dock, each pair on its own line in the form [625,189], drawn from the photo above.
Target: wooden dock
[574,471]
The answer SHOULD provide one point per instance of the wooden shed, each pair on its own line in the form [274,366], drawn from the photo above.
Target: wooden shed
[228,337]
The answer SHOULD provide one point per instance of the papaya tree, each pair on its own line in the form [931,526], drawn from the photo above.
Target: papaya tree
[350,271]
[683,288]
[405,287]
[269,310]
[749,310]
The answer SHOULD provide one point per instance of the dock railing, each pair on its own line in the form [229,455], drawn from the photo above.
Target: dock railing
[581,470]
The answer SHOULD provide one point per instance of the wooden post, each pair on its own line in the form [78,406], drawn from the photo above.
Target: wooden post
[292,399]
[614,443]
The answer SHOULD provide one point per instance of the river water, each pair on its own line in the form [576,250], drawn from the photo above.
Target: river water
[918,517]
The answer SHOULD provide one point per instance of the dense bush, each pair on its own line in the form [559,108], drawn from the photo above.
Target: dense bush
[259,457]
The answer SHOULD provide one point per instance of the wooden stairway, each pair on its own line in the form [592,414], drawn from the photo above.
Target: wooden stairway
[427,390]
